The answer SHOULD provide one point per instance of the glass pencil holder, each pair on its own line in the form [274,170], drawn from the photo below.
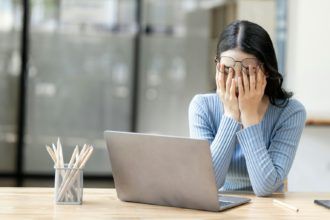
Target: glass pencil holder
[68,185]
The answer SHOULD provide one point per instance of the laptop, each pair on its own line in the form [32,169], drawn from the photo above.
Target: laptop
[165,170]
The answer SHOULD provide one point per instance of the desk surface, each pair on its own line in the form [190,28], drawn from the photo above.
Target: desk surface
[37,203]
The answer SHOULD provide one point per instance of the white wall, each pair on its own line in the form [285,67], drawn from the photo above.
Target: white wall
[308,76]
[311,168]
[308,54]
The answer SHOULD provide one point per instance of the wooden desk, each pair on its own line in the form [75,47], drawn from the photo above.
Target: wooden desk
[37,203]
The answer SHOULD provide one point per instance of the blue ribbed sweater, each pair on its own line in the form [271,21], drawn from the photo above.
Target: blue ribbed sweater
[255,158]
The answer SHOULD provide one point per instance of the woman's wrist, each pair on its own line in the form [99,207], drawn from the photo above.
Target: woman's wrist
[250,119]
[233,116]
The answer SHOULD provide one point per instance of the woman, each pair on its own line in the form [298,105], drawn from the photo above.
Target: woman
[252,124]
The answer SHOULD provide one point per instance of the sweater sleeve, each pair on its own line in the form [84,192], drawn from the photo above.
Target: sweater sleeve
[222,141]
[267,168]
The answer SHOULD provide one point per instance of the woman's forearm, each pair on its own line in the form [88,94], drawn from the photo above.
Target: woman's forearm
[222,148]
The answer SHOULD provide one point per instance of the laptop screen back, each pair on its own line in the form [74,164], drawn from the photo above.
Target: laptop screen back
[162,170]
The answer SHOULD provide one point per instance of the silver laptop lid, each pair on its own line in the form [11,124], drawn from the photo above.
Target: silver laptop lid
[162,170]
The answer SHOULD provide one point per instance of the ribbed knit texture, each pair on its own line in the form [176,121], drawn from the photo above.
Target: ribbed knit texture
[255,158]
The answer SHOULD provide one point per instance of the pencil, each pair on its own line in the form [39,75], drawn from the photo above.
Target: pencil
[73,174]
[283,204]
[51,153]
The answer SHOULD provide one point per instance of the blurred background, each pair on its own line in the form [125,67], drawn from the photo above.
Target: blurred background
[74,68]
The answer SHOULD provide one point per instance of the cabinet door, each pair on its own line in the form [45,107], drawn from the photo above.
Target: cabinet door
[80,80]
[10,26]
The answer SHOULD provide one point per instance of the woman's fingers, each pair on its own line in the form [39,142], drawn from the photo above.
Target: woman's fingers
[240,87]
[229,80]
[233,88]
[222,78]
[252,78]
[245,81]
[261,80]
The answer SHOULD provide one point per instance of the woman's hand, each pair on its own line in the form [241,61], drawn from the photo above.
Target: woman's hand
[227,93]
[251,90]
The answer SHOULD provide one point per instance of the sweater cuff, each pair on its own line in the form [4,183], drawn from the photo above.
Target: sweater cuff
[227,129]
[230,124]
[250,137]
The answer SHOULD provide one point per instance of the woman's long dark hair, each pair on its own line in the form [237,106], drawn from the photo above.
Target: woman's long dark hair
[253,39]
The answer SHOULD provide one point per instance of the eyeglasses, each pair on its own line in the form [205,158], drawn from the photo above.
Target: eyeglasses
[230,62]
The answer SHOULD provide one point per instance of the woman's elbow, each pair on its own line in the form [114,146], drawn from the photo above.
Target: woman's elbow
[267,187]
[262,192]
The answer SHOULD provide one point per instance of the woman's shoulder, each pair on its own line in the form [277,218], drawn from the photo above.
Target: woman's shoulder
[206,98]
[293,107]
[207,101]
